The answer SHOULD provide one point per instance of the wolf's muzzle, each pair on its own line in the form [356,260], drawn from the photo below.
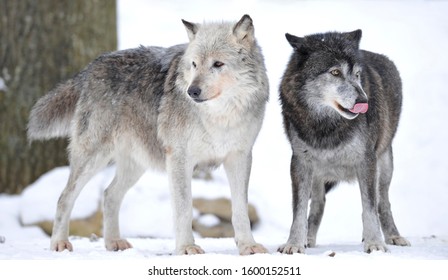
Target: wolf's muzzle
[195,92]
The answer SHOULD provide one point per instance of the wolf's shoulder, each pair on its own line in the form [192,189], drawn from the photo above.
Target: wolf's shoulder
[374,58]
[379,64]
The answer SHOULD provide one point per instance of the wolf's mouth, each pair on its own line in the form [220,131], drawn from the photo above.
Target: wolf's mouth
[199,100]
[346,111]
[358,108]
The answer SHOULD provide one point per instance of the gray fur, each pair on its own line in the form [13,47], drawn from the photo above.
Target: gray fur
[326,77]
[150,108]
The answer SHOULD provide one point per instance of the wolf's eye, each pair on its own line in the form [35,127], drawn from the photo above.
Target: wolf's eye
[335,72]
[193,64]
[218,64]
[358,74]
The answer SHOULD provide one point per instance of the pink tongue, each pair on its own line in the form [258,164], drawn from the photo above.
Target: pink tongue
[360,108]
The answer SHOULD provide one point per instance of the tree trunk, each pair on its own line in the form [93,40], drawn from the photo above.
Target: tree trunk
[42,43]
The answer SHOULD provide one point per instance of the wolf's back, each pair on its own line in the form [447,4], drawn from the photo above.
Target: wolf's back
[52,115]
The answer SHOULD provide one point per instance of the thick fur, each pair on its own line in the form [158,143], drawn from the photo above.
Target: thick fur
[326,77]
[172,109]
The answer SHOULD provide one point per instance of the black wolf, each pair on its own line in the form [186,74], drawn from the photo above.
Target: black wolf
[341,107]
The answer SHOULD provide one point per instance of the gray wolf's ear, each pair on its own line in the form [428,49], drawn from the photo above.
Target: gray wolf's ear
[354,36]
[192,29]
[244,30]
[294,41]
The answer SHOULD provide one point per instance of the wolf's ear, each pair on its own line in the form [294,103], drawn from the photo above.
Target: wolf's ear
[354,36]
[244,30]
[294,41]
[192,29]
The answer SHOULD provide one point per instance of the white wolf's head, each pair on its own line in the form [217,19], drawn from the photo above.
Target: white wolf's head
[223,63]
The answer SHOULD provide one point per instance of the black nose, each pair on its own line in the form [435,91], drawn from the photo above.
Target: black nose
[194,91]
[362,98]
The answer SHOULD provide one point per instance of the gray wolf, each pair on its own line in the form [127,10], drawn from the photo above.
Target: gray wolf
[193,105]
[341,107]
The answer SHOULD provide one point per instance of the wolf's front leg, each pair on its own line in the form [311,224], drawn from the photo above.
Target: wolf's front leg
[367,179]
[237,166]
[301,176]
[180,172]
[316,210]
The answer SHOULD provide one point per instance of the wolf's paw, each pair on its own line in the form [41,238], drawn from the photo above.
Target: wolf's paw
[118,245]
[190,250]
[291,249]
[397,240]
[251,249]
[61,245]
[311,243]
[370,247]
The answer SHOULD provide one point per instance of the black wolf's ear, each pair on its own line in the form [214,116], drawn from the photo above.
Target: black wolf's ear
[294,41]
[192,29]
[354,36]
[244,30]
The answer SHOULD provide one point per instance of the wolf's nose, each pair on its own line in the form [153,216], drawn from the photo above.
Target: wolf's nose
[194,91]
[361,100]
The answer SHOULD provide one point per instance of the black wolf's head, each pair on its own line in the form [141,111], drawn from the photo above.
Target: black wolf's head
[326,70]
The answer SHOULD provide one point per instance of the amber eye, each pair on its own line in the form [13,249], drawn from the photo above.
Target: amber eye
[193,64]
[335,72]
[218,64]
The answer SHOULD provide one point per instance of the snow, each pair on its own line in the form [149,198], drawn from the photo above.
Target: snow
[2,84]
[412,33]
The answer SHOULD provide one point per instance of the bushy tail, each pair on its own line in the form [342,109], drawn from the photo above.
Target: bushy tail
[52,115]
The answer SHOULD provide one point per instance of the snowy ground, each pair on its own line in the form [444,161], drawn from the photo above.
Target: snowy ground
[412,33]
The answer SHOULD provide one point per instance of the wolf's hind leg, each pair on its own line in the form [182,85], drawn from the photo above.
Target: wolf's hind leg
[83,168]
[390,231]
[127,174]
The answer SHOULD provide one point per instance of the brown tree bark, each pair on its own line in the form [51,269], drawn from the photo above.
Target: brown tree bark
[43,42]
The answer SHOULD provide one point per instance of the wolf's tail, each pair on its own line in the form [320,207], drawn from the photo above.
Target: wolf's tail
[52,115]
